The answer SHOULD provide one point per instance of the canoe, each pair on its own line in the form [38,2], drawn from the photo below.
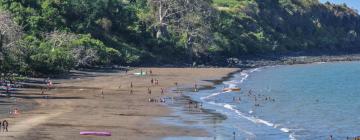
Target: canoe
[231,89]
[96,133]
[140,74]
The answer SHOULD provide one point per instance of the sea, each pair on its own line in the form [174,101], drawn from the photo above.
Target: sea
[316,101]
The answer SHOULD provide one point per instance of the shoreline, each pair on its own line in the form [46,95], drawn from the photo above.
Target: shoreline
[230,75]
[185,76]
[294,60]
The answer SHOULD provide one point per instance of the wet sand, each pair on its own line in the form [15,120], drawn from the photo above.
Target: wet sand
[77,105]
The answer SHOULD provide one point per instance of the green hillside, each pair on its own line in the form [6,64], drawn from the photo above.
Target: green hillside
[55,36]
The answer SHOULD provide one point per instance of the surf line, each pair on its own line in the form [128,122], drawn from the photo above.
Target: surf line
[259,121]
[232,83]
[214,94]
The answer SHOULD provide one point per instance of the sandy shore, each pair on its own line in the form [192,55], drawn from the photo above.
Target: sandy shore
[77,105]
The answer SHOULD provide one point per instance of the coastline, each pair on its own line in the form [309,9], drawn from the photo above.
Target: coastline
[299,60]
[71,97]
[293,60]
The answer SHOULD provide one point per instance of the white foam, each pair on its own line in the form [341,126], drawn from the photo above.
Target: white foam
[212,95]
[244,76]
[319,62]
[292,137]
[259,121]
[286,130]
[233,83]
[253,70]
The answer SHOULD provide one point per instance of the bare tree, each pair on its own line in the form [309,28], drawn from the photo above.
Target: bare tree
[83,55]
[10,33]
[186,18]
[165,11]
[189,18]
[60,39]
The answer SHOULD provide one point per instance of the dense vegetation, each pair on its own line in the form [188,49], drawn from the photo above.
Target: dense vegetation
[54,36]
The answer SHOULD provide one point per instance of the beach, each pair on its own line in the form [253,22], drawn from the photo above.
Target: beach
[77,104]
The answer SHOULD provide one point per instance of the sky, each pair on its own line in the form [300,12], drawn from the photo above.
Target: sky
[355,4]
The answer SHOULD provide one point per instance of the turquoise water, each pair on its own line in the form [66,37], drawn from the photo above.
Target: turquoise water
[307,102]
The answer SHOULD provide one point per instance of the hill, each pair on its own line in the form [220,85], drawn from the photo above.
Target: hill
[54,36]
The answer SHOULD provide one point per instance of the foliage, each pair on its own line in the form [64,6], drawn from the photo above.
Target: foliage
[55,36]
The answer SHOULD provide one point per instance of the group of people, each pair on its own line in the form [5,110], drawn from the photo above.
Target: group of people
[154,82]
[194,106]
[155,100]
[4,124]
[256,97]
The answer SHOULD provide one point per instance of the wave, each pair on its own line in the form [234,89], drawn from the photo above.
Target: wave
[233,83]
[259,121]
[212,95]
[245,74]
[319,62]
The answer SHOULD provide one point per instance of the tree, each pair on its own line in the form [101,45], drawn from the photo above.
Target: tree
[190,20]
[10,33]
[164,11]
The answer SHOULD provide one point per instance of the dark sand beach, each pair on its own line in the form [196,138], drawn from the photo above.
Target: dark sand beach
[77,104]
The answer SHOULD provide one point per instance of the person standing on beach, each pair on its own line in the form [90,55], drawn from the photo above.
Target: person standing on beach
[152,81]
[5,125]
[156,82]
[162,91]
[131,85]
[195,88]
[150,72]
[102,93]
[149,91]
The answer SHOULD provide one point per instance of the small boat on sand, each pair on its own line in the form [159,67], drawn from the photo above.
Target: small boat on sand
[96,133]
[232,89]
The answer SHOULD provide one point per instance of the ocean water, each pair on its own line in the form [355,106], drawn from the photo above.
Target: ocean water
[302,102]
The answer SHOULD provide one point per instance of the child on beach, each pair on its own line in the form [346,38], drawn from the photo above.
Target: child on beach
[5,125]
[156,82]
[162,91]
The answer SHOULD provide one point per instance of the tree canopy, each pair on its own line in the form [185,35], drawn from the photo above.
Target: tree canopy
[55,36]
